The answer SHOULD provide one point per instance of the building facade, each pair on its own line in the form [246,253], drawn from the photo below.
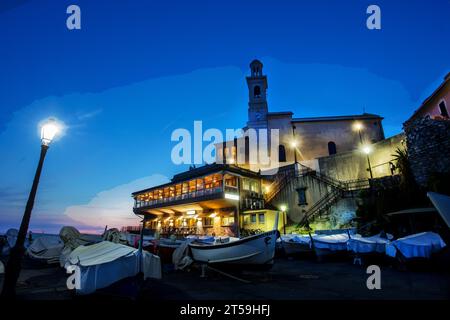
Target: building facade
[301,139]
[217,199]
[437,105]
[237,193]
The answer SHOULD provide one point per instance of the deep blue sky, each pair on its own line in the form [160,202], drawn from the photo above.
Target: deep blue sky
[139,69]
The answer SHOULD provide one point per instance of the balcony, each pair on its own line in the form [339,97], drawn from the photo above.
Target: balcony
[178,198]
[209,187]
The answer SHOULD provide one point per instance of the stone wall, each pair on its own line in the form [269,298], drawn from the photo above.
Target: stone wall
[353,165]
[428,143]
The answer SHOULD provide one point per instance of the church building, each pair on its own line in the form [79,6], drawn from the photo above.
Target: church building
[235,195]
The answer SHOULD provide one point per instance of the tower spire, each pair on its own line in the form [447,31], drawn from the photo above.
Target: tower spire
[257,93]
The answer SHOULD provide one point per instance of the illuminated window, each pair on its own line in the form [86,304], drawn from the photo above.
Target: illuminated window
[199,184]
[178,189]
[192,186]
[227,221]
[231,181]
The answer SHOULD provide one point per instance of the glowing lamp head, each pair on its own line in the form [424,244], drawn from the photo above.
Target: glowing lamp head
[358,126]
[367,149]
[49,130]
[283,207]
[294,144]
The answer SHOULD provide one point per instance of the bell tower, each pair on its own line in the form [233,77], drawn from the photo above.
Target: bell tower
[257,97]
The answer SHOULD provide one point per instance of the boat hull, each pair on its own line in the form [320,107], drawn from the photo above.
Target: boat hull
[255,250]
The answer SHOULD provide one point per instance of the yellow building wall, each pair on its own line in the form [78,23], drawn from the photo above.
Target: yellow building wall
[270,216]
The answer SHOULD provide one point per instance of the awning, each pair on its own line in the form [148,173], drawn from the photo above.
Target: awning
[442,204]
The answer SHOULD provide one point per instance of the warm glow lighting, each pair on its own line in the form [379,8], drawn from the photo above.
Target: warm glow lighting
[358,126]
[293,144]
[231,161]
[283,208]
[367,149]
[267,189]
[190,212]
[231,196]
[213,215]
[49,130]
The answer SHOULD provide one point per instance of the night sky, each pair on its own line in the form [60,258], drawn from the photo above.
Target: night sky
[137,70]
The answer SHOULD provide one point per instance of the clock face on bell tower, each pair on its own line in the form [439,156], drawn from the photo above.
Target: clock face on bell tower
[257,103]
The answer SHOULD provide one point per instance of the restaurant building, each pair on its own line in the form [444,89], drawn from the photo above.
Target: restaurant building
[216,199]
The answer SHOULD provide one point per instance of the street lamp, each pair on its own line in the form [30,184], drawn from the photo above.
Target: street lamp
[49,129]
[294,145]
[367,149]
[283,209]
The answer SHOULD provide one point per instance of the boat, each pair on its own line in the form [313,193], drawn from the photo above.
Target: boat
[46,249]
[366,245]
[100,265]
[257,249]
[420,245]
[296,244]
[330,245]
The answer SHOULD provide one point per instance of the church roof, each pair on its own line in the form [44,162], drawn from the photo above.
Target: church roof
[364,116]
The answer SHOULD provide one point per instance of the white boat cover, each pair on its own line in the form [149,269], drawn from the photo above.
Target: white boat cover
[419,245]
[442,204]
[105,263]
[102,252]
[372,244]
[333,242]
[47,248]
[180,257]
[299,238]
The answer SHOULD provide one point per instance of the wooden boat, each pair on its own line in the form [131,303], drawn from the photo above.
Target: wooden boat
[255,250]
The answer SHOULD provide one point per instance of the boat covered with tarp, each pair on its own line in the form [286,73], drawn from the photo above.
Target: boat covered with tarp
[103,264]
[419,245]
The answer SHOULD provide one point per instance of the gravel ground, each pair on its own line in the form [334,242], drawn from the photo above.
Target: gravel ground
[289,279]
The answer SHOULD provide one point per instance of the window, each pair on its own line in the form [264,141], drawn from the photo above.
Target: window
[228,221]
[253,218]
[257,91]
[443,109]
[331,148]
[281,153]
[261,218]
[301,192]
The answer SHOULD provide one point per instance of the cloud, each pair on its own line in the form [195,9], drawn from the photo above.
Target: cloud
[113,207]
[89,114]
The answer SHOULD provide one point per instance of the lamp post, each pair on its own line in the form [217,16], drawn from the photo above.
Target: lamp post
[12,271]
[294,145]
[367,149]
[283,210]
